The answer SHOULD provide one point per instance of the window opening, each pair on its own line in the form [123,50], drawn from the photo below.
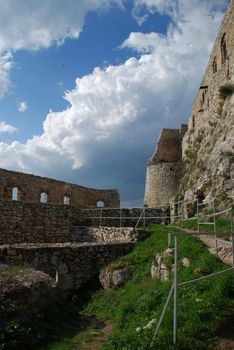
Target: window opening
[43,197]
[100,204]
[66,200]
[15,194]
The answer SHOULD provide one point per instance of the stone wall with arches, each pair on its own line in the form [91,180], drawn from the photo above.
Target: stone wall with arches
[29,188]
[70,264]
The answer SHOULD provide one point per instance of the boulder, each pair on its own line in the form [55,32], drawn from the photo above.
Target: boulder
[185,262]
[114,277]
[28,290]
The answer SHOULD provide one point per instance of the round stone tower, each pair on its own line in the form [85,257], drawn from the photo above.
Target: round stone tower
[164,168]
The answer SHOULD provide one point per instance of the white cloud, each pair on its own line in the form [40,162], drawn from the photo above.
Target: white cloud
[5,67]
[22,107]
[116,112]
[6,128]
[33,25]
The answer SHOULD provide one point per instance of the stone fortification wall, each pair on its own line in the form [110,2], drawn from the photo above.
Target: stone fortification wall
[208,146]
[29,223]
[163,179]
[35,189]
[39,223]
[107,234]
[72,265]
[164,168]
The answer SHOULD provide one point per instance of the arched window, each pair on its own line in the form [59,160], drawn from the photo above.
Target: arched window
[15,194]
[66,200]
[100,204]
[43,197]
[223,48]
[214,65]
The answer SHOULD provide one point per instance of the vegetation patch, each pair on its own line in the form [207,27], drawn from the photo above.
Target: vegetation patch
[226,89]
[134,308]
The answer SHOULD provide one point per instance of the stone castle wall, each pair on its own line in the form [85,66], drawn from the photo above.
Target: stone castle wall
[47,223]
[30,188]
[164,168]
[86,234]
[163,180]
[31,223]
[208,146]
[72,265]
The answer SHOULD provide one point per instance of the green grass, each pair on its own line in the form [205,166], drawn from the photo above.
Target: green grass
[201,306]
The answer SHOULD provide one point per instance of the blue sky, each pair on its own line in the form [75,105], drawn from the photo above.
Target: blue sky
[86,86]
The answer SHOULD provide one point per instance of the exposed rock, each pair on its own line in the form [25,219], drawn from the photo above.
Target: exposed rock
[112,277]
[165,273]
[197,270]
[185,262]
[168,252]
[29,291]
[159,268]
[155,271]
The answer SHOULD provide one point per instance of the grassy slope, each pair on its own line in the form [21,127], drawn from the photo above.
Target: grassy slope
[201,306]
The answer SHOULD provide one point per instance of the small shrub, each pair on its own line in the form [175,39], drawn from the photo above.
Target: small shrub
[226,89]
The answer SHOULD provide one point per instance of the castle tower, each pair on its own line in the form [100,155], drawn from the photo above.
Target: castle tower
[164,168]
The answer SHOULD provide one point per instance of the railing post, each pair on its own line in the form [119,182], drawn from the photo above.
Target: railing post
[232,233]
[100,221]
[169,239]
[120,217]
[198,218]
[144,219]
[215,229]
[175,289]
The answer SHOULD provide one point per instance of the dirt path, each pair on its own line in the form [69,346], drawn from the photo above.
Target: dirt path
[95,335]
[224,250]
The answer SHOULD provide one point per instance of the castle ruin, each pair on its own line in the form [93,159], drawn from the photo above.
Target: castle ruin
[164,168]
[206,150]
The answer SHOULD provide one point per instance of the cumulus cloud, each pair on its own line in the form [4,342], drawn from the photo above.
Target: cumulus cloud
[33,25]
[6,128]
[6,63]
[22,107]
[116,112]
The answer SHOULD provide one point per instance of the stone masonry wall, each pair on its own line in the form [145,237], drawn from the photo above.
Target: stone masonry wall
[208,146]
[30,187]
[107,234]
[164,168]
[45,223]
[162,183]
[72,265]
[25,222]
